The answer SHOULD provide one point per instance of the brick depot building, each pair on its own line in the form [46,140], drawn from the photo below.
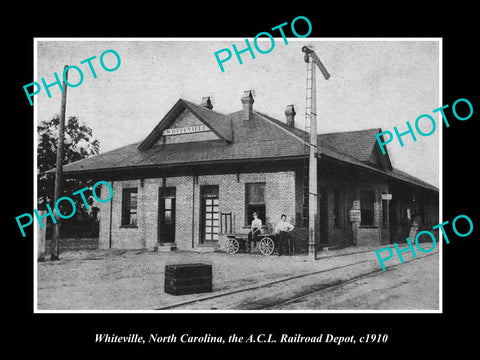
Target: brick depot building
[200,174]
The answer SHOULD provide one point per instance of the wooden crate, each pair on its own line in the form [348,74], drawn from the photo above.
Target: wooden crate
[182,279]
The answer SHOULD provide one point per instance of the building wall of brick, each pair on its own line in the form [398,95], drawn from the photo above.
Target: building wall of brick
[122,237]
[300,238]
[299,196]
[279,197]
[283,195]
[104,216]
[150,210]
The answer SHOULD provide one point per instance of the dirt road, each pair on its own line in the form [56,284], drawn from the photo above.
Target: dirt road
[133,280]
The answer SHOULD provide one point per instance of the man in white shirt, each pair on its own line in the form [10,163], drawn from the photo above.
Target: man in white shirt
[254,230]
[283,230]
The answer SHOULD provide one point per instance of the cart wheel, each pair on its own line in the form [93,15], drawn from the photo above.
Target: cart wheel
[232,246]
[266,246]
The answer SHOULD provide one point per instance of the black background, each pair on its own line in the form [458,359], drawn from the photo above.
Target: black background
[59,335]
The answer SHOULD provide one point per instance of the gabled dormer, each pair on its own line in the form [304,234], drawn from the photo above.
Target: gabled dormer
[187,122]
[361,145]
[378,159]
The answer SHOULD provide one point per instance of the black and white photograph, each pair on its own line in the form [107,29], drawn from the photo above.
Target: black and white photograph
[203,177]
[225,182]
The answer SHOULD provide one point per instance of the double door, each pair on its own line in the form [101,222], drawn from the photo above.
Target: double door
[209,214]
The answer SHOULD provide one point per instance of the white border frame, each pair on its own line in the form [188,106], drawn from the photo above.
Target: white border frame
[440,242]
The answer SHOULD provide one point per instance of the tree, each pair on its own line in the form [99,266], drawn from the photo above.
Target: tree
[79,144]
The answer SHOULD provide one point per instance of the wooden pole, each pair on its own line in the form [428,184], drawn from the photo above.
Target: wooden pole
[312,173]
[41,236]
[55,251]
[313,209]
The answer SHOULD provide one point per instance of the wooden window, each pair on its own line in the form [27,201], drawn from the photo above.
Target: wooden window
[255,202]
[367,203]
[129,207]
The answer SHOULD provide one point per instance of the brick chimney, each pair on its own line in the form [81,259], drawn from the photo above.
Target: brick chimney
[290,116]
[247,102]
[207,103]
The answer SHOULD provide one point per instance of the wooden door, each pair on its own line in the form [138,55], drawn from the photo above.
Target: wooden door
[166,215]
[209,214]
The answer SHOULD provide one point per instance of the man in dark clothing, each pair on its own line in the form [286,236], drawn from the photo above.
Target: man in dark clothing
[283,230]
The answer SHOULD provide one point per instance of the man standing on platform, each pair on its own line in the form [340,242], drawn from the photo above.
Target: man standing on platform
[283,230]
[255,230]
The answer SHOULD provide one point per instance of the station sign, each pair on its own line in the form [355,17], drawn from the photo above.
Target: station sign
[186,130]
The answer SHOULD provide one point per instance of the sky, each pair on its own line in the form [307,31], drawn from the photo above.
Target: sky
[374,83]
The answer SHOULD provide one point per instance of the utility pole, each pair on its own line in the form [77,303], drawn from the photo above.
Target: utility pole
[55,251]
[311,111]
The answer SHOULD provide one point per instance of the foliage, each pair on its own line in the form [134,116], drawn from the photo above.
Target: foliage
[79,143]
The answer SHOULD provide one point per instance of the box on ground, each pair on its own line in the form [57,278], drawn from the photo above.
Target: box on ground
[182,279]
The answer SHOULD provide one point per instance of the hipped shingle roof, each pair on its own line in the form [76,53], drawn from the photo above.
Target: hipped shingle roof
[262,137]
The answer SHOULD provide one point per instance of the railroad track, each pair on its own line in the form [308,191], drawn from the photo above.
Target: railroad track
[338,285]
[329,286]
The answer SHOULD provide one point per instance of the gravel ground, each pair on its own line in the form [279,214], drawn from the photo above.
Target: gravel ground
[133,280]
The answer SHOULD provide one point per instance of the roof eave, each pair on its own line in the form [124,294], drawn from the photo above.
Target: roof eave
[177,165]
